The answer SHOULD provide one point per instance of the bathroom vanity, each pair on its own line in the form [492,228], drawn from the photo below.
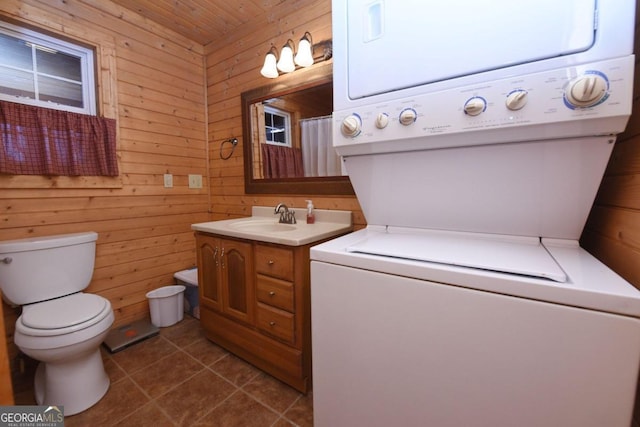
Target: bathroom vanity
[253,276]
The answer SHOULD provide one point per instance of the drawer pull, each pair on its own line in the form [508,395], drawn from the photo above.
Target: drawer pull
[271,262]
[272,323]
[271,293]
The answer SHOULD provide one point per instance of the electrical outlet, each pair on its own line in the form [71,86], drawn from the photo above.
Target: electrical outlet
[168,180]
[195,181]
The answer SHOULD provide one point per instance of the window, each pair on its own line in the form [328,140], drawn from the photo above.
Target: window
[277,125]
[43,71]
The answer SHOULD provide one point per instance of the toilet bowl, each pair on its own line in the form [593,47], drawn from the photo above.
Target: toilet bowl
[65,336]
[61,329]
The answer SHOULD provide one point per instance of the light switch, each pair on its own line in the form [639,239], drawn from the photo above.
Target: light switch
[168,180]
[195,181]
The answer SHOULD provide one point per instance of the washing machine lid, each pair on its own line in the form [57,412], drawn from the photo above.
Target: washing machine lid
[519,255]
[63,312]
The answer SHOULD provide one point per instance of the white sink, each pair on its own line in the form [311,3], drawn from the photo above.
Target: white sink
[264,226]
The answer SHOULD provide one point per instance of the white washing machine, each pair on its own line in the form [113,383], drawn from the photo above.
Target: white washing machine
[401,341]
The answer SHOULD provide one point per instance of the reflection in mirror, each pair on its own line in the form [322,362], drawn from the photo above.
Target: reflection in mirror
[291,135]
[287,137]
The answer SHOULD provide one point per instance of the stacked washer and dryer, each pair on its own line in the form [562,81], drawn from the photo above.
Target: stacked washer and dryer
[475,135]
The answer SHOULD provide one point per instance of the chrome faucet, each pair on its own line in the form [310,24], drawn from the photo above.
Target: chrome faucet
[286,216]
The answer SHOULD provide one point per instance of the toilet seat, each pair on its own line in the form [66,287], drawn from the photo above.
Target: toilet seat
[63,315]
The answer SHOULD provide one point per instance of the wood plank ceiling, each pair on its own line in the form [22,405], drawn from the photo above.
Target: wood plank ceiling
[202,21]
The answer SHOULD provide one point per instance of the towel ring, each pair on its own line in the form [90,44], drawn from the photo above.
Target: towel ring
[233,142]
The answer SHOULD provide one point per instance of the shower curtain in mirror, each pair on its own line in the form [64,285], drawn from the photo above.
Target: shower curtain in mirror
[318,155]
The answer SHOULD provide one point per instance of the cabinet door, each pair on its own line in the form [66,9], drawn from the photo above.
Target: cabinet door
[208,266]
[237,277]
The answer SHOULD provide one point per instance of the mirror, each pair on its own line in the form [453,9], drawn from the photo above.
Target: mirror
[281,119]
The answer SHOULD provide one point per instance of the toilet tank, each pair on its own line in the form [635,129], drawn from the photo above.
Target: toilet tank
[41,268]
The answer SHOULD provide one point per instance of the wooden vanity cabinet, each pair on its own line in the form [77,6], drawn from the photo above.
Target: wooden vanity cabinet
[273,330]
[226,276]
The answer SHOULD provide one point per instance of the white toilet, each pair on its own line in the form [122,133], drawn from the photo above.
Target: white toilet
[60,326]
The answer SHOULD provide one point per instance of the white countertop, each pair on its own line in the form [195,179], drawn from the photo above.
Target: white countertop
[328,223]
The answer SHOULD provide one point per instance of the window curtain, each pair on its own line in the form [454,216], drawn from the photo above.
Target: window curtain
[281,162]
[319,156]
[43,141]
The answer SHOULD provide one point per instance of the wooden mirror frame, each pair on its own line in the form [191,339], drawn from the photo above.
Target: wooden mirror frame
[283,85]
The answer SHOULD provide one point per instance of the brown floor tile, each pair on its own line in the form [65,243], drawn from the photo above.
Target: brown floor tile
[205,351]
[24,397]
[182,378]
[143,354]
[301,413]
[114,371]
[123,398]
[147,416]
[271,392]
[283,422]
[239,410]
[195,397]
[167,373]
[22,381]
[183,333]
[235,370]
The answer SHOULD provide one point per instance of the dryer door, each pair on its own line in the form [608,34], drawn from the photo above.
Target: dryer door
[423,43]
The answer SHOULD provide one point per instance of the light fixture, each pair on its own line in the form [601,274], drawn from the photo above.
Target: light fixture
[269,69]
[285,63]
[304,57]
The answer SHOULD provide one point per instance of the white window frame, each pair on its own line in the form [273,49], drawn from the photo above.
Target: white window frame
[87,61]
[287,126]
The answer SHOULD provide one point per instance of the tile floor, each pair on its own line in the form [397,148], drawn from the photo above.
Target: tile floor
[179,378]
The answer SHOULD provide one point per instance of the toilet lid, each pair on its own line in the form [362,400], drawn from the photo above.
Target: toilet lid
[63,312]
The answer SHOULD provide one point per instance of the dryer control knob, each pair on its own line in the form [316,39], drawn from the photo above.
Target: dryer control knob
[475,106]
[382,120]
[408,116]
[516,99]
[586,90]
[351,126]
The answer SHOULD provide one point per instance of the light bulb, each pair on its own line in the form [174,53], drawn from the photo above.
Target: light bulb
[285,64]
[269,69]
[304,57]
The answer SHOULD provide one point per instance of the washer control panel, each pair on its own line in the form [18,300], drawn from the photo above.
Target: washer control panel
[554,103]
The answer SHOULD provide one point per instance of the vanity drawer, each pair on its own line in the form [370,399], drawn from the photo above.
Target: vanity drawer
[275,292]
[272,261]
[277,323]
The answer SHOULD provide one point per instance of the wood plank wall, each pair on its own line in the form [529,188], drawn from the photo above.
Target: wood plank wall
[157,83]
[233,67]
